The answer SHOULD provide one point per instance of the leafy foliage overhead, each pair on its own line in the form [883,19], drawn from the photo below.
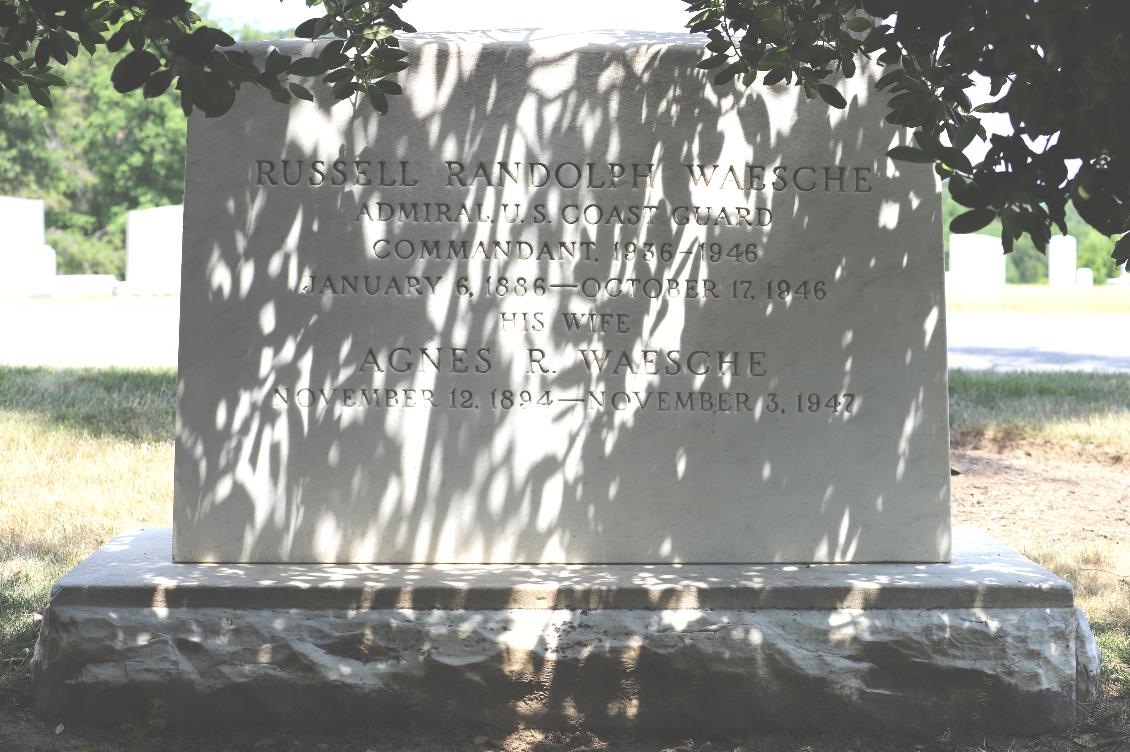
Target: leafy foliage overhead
[1059,69]
[163,44]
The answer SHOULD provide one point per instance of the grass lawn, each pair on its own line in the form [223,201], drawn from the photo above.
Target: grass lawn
[1042,299]
[1075,412]
[85,454]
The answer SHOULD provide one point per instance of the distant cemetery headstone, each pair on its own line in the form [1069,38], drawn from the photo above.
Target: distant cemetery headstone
[1063,255]
[24,252]
[153,250]
[84,285]
[977,262]
[527,329]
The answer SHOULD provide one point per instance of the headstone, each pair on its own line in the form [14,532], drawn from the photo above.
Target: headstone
[561,323]
[977,263]
[84,285]
[566,302]
[24,252]
[1085,277]
[153,250]
[1062,261]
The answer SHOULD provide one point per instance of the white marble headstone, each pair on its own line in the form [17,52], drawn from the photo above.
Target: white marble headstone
[1063,259]
[153,250]
[977,262]
[23,250]
[566,302]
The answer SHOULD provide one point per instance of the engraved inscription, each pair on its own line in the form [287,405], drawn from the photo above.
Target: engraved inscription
[565,270]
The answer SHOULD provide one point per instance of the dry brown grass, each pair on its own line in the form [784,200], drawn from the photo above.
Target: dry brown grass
[84,455]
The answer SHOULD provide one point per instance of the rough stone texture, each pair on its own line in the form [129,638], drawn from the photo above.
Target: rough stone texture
[302,274]
[1016,663]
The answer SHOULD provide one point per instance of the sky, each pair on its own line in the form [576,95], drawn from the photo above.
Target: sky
[461,15]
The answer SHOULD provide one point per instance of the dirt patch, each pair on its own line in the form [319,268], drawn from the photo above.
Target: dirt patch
[20,731]
[1042,497]
[1027,497]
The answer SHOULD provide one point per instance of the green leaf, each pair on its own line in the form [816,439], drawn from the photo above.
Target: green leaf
[307,66]
[391,66]
[480,739]
[378,100]
[956,159]
[276,63]
[910,154]
[966,133]
[859,24]
[972,221]
[40,95]
[133,70]
[775,76]
[308,28]
[727,74]
[1121,254]
[51,79]
[831,95]
[209,91]
[713,61]
[158,84]
[301,92]
[279,94]
[341,74]
[388,87]
[389,53]
[344,90]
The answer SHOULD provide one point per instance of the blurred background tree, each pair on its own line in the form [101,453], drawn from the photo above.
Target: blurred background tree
[1058,70]
[95,155]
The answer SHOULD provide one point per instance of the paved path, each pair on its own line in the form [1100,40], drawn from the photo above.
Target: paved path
[132,331]
[126,332]
[1039,342]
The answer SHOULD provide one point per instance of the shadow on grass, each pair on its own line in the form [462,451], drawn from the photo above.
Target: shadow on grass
[1007,409]
[136,404]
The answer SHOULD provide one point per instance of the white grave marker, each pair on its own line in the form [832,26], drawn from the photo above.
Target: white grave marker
[153,250]
[1062,261]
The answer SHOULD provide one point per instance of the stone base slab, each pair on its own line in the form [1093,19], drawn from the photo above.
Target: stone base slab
[990,641]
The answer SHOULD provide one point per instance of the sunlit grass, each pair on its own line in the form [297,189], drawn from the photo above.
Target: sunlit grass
[1071,410]
[1100,573]
[86,454]
[1041,299]
[83,456]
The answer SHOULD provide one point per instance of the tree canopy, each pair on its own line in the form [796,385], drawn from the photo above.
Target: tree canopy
[1059,70]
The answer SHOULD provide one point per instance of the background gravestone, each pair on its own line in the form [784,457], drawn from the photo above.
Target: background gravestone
[153,250]
[24,252]
[977,262]
[1063,258]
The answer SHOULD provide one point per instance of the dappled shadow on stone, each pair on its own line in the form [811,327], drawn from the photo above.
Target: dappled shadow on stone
[669,650]
[322,483]
[640,636]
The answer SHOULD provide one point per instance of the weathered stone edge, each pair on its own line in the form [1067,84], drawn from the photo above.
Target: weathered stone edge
[135,570]
[1016,671]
